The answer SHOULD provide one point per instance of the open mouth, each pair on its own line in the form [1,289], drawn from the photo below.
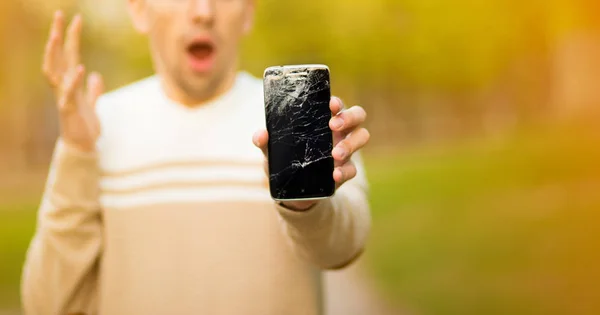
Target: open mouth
[201,54]
[200,50]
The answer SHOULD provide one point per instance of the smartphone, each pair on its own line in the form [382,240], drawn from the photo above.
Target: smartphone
[300,140]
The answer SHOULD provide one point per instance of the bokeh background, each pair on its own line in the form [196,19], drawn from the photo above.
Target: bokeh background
[484,160]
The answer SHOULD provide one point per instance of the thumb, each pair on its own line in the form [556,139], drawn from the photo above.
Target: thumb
[95,88]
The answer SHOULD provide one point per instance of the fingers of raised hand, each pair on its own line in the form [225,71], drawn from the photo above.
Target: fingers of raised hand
[72,91]
[62,55]
[72,44]
[53,63]
[95,88]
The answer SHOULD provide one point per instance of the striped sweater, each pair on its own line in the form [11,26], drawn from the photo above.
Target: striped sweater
[172,215]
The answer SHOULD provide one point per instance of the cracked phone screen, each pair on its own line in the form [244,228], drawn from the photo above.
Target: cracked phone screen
[300,140]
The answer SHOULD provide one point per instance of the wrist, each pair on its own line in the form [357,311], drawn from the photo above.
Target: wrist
[298,206]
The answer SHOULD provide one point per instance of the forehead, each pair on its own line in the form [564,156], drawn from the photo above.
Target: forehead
[197,3]
[168,14]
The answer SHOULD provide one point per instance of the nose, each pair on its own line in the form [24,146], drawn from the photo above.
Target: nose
[203,11]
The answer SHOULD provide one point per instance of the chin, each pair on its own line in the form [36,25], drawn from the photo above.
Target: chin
[200,88]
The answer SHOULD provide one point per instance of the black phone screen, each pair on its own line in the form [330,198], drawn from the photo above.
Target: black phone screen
[300,140]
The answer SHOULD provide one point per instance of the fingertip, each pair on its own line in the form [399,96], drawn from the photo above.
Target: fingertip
[259,138]
[79,19]
[335,105]
[367,134]
[338,176]
[263,138]
[57,24]
[75,24]
[100,84]
[98,78]
[361,112]
[94,77]
[255,137]
[92,82]
[338,154]
[78,24]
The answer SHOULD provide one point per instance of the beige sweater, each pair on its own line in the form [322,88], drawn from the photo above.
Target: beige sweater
[172,215]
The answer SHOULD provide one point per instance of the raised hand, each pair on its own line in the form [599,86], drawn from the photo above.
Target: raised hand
[76,100]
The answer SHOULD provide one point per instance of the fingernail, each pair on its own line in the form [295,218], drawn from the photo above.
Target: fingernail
[337,123]
[338,100]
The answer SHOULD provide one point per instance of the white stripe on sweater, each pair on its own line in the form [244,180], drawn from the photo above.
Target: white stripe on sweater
[178,195]
[200,175]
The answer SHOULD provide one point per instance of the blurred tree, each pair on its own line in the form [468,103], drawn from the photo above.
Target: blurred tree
[410,60]
[19,76]
[423,68]
[575,30]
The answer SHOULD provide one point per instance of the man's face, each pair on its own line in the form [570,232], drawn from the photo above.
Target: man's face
[194,42]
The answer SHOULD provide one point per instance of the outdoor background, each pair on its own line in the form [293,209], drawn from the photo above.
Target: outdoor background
[484,161]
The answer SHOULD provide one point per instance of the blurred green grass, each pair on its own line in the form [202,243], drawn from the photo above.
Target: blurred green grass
[504,226]
[499,227]
[17,224]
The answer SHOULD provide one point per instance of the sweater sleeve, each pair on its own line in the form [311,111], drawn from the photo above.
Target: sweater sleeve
[333,233]
[61,265]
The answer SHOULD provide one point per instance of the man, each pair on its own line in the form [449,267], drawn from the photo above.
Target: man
[157,201]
